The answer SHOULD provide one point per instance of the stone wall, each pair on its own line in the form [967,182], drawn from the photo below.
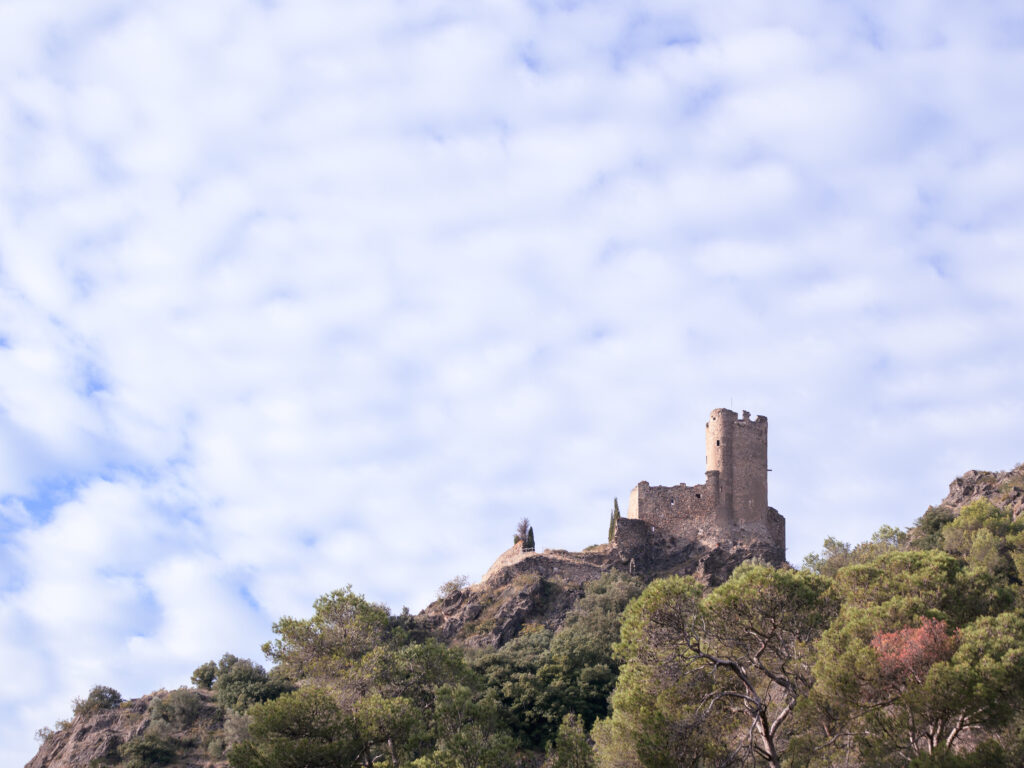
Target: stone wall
[631,537]
[733,504]
[510,556]
[777,532]
[684,511]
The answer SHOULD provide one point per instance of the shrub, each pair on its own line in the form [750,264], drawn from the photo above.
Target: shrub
[179,708]
[452,587]
[241,683]
[100,697]
[146,751]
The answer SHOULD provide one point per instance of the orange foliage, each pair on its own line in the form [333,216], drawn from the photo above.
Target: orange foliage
[911,651]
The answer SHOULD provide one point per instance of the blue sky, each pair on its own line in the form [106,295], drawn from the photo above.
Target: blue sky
[296,295]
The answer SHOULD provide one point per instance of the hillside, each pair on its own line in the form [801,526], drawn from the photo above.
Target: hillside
[492,672]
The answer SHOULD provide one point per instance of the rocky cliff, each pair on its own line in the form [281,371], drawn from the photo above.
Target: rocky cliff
[1004,489]
[178,729]
[538,588]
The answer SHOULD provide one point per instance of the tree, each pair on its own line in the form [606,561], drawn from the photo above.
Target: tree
[240,683]
[469,731]
[452,587]
[541,676]
[522,529]
[528,543]
[302,729]
[614,520]
[915,691]
[717,677]
[204,675]
[570,749]
[344,627]
[100,697]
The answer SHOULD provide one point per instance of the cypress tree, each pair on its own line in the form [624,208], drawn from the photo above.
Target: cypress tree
[614,520]
[528,543]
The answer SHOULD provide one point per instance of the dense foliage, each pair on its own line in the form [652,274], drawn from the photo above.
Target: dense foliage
[905,650]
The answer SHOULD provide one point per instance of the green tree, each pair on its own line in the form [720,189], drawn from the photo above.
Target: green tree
[718,677]
[469,732]
[100,697]
[614,520]
[528,543]
[393,695]
[897,685]
[204,675]
[344,627]
[571,748]
[303,729]
[542,676]
[837,554]
[239,683]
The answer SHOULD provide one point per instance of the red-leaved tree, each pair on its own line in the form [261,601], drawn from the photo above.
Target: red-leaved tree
[910,652]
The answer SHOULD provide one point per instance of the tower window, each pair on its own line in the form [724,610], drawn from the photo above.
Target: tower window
[718,442]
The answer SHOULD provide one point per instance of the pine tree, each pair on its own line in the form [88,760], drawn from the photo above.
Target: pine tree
[528,543]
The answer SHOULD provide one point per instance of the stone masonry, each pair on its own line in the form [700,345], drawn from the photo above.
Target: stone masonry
[731,505]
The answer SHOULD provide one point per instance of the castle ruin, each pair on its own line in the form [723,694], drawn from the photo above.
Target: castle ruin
[731,506]
[706,529]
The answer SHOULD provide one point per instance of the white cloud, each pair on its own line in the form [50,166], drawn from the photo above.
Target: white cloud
[293,296]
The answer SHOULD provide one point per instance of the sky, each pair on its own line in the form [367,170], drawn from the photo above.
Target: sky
[306,294]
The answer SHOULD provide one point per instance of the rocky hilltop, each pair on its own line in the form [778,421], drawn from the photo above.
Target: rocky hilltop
[537,589]
[140,732]
[1004,489]
[705,530]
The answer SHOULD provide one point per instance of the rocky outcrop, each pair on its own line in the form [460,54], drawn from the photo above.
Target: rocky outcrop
[1004,489]
[537,589]
[97,739]
[93,737]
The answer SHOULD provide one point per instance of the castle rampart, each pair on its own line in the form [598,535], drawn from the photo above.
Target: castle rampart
[732,504]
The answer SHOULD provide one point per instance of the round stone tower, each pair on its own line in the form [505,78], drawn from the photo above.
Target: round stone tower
[737,448]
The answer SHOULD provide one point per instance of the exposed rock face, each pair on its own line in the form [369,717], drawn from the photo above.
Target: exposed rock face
[1004,489]
[539,588]
[93,739]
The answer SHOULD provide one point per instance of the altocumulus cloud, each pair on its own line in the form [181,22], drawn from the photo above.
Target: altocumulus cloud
[294,295]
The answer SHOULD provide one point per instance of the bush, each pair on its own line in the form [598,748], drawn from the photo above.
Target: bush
[146,751]
[241,683]
[452,587]
[179,708]
[100,697]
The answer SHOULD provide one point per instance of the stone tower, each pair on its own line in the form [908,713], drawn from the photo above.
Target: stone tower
[737,448]
[730,506]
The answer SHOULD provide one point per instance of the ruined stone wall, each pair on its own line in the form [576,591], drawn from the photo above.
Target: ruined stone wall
[509,557]
[777,531]
[630,536]
[684,511]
